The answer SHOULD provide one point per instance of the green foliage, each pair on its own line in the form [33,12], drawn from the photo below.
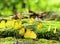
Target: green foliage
[46,31]
[11,40]
[6,12]
[10,7]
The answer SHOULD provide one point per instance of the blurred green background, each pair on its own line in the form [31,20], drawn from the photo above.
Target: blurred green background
[10,7]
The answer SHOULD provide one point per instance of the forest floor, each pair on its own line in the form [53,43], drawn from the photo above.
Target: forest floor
[10,40]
